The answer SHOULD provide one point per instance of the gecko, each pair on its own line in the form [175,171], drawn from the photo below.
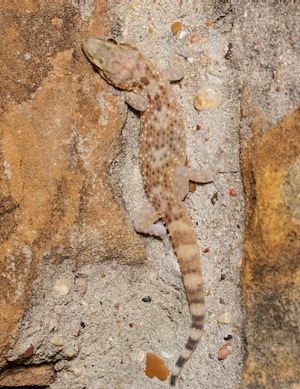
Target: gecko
[162,162]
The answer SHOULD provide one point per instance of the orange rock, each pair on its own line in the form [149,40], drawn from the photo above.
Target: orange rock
[224,352]
[176,28]
[155,367]
[271,277]
[55,192]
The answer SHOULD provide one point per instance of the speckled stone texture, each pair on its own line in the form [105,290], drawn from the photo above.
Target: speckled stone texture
[80,306]
[271,276]
[54,154]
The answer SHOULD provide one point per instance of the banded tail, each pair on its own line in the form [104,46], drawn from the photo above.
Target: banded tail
[187,251]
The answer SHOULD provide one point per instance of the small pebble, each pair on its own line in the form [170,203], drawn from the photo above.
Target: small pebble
[194,38]
[62,287]
[146,299]
[232,192]
[57,342]
[182,35]
[206,99]
[155,367]
[81,285]
[224,352]
[176,28]
[166,355]
[70,354]
[139,356]
[77,372]
[224,318]
[214,198]
[28,352]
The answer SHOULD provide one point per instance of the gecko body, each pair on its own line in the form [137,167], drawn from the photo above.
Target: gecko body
[162,160]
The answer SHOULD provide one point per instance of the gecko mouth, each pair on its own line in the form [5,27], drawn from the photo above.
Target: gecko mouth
[90,47]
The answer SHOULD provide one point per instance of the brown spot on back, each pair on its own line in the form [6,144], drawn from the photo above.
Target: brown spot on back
[145,80]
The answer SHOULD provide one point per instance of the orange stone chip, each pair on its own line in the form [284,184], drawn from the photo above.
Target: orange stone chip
[224,352]
[155,367]
[176,27]
[232,192]
[195,38]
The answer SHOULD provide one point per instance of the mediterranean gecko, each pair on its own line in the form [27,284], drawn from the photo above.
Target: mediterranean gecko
[162,158]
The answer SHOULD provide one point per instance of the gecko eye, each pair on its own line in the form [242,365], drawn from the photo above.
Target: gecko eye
[112,41]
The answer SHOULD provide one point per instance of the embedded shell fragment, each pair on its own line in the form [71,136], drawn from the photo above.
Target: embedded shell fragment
[206,99]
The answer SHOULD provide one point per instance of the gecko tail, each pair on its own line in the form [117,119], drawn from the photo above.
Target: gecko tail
[187,251]
[194,337]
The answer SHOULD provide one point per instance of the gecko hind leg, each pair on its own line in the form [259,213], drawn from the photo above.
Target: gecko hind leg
[215,166]
[183,174]
[145,222]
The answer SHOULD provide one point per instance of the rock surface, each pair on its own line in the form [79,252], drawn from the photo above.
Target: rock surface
[57,142]
[271,276]
[77,296]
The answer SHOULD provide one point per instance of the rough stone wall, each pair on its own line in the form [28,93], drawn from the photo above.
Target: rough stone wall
[73,275]
[267,56]
[54,154]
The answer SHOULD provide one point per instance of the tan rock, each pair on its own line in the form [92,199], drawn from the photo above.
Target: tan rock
[57,141]
[19,377]
[271,270]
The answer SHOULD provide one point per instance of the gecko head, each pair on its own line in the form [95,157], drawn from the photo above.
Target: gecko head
[115,61]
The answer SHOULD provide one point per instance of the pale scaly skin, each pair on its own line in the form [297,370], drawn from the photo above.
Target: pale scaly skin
[163,156]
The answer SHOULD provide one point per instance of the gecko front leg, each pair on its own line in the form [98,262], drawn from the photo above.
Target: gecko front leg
[136,100]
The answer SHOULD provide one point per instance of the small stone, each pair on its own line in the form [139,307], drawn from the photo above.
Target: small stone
[166,355]
[62,287]
[195,38]
[214,198]
[183,35]
[57,342]
[206,99]
[81,285]
[224,318]
[232,192]
[28,352]
[70,353]
[176,28]
[224,352]
[77,372]
[155,367]
[139,357]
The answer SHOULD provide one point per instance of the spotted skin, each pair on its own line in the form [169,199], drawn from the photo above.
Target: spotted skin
[163,157]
